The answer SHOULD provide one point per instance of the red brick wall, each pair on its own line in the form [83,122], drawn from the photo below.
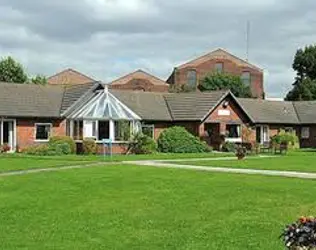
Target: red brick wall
[26,130]
[180,76]
[141,85]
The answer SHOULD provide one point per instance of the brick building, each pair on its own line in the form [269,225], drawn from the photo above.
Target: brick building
[69,77]
[30,114]
[192,72]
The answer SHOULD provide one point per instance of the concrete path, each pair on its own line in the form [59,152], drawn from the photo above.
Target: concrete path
[159,164]
[52,169]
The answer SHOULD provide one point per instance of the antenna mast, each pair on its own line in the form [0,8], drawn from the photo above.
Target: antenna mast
[247,40]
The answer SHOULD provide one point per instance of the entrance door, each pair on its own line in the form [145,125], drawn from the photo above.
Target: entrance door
[8,134]
[262,134]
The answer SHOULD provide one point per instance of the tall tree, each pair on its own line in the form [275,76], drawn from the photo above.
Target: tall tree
[12,71]
[304,86]
[224,81]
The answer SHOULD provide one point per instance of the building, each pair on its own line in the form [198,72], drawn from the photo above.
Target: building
[192,72]
[30,114]
[140,81]
[69,77]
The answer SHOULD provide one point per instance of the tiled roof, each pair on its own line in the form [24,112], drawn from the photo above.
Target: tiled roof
[263,111]
[139,74]
[193,106]
[148,105]
[306,111]
[30,100]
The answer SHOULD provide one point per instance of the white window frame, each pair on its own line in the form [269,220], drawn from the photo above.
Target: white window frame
[43,124]
[237,139]
[149,126]
[243,78]
[217,69]
[306,134]
[262,139]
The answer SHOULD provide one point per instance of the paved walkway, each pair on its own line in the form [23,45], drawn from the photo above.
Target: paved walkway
[52,169]
[163,164]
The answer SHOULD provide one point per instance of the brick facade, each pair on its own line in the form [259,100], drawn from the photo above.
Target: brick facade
[69,77]
[230,64]
[141,85]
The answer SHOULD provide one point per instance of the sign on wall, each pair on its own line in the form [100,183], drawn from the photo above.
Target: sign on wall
[224,112]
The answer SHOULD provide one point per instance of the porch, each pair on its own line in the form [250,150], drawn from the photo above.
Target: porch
[8,133]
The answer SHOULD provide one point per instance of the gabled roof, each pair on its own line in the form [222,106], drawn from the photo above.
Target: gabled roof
[306,111]
[139,74]
[221,55]
[68,77]
[269,112]
[30,100]
[193,106]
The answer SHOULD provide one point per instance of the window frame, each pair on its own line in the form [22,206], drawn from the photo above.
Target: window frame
[303,136]
[149,126]
[239,131]
[196,80]
[243,78]
[221,70]
[43,124]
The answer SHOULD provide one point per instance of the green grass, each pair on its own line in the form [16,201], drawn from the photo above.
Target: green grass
[294,161]
[13,162]
[127,207]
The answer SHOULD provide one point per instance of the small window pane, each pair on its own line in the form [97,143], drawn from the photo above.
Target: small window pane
[233,131]
[246,78]
[78,130]
[104,130]
[219,67]
[191,78]
[43,131]
[148,130]
[122,130]
[305,133]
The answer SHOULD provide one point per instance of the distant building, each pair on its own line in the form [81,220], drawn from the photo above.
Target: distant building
[69,77]
[219,61]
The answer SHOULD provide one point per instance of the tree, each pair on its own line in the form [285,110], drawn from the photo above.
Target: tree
[304,86]
[224,81]
[12,71]
[38,79]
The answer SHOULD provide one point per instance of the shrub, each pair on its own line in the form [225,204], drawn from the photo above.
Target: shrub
[63,140]
[143,144]
[89,146]
[5,148]
[229,147]
[241,152]
[38,150]
[179,140]
[60,148]
[300,235]
[286,138]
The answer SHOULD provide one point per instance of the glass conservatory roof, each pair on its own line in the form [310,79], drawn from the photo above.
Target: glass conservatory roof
[104,106]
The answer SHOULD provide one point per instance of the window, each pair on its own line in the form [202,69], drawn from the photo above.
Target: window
[122,130]
[233,131]
[289,130]
[148,130]
[305,133]
[89,129]
[246,78]
[219,67]
[42,131]
[103,130]
[191,78]
[77,132]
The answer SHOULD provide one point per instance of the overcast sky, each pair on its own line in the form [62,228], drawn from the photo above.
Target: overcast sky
[106,39]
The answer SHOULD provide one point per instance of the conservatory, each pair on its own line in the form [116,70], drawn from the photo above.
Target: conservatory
[103,117]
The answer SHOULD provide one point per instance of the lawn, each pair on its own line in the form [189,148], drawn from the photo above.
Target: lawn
[128,207]
[13,162]
[295,161]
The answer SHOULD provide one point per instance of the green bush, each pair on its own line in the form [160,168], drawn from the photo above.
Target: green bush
[179,140]
[229,147]
[286,138]
[89,146]
[63,140]
[41,150]
[60,148]
[143,144]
